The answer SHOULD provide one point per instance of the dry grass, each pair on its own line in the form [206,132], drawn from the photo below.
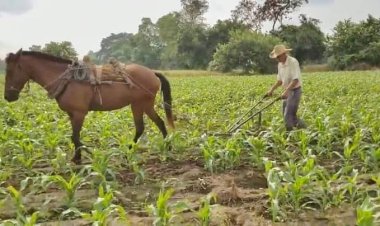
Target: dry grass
[190,73]
[316,68]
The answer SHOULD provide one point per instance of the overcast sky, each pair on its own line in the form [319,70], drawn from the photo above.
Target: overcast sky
[85,22]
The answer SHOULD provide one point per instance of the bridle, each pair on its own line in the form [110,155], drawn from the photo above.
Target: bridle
[27,89]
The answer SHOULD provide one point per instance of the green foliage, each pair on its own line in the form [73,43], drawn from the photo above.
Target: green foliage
[163,211]
[277,10]
[253,14]
[355,43]
[334,163]
[21,218]
[70,186]
[204,212]
[307,40]
[219,34]
[192,47]
[247,51]
[169,29]
[117,46]
[366,212]
[61,49]
[2,65]
[193,11]
[103,209]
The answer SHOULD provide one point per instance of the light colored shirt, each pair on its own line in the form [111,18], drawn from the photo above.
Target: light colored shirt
[289,71]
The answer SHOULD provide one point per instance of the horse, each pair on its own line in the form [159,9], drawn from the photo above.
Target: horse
[79,97]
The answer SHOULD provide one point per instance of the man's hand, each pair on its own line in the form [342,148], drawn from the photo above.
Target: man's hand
[285,94]
[268,94]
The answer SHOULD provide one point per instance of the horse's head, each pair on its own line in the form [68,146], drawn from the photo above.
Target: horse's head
[15,77]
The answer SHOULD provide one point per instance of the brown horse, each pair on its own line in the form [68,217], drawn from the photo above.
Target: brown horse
[80,97]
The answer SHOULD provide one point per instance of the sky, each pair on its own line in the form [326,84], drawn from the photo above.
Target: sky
[85,23]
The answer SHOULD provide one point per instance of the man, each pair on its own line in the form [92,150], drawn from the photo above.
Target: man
[289,76]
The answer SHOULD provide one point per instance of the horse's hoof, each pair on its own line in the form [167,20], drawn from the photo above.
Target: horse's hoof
[170,147]
[76,161]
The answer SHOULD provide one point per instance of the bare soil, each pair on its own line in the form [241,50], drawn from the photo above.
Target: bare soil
[241,198]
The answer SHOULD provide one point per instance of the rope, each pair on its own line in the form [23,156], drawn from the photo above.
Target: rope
[97,90]
[58,78]
[148,91]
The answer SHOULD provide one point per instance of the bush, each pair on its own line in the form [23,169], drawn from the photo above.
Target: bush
[247,51]
[355,44]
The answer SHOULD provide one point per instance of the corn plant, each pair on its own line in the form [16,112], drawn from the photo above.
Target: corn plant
[163,146]
[345,125]
[259,146]
[204,212]
[275,189]
[350,146]
[161,210]
[59,163]
[103,209]
[366,212]
[279,141]
[352,187]
[228,155]
[304,140]
[69,186]
[164,212]
[99,167]
[297,190]
[324,192]
[21,218]
[131,154]
[208,151]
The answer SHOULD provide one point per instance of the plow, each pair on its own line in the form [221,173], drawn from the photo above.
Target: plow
[255,111]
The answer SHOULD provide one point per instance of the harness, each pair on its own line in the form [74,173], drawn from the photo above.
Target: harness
[111,73]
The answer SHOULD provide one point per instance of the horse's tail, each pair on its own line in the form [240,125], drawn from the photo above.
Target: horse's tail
[166,91]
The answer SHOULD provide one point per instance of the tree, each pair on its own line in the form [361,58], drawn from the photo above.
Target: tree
[355,43]
[307,40]
[37,48]
[115,46]
[147,44]
[169,30]
[193,11]
[251,13]
[247,13]
[192,48]
[63,49]
[277,10]
[220,33]
[247,51]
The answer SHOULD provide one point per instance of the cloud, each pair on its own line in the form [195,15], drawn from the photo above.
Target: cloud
[15,6]
[321,2]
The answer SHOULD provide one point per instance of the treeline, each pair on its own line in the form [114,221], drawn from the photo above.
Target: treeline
[182,40]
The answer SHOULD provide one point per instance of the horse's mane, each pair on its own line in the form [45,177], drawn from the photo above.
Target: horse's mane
[46,56]
[41,55]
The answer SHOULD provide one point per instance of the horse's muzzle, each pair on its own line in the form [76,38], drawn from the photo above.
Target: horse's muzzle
[11,95]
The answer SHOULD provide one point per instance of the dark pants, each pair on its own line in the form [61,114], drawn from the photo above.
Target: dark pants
[289,110]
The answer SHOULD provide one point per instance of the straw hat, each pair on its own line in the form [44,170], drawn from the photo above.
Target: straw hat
[278,50]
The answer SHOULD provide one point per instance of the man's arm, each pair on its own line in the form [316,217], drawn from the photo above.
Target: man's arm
[275,86]
[291,86]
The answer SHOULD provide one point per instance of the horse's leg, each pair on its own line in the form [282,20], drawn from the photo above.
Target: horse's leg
[156,119]
[137,111]
[77,119]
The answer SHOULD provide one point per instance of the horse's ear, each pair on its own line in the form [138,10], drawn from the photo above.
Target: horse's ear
[18,54]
